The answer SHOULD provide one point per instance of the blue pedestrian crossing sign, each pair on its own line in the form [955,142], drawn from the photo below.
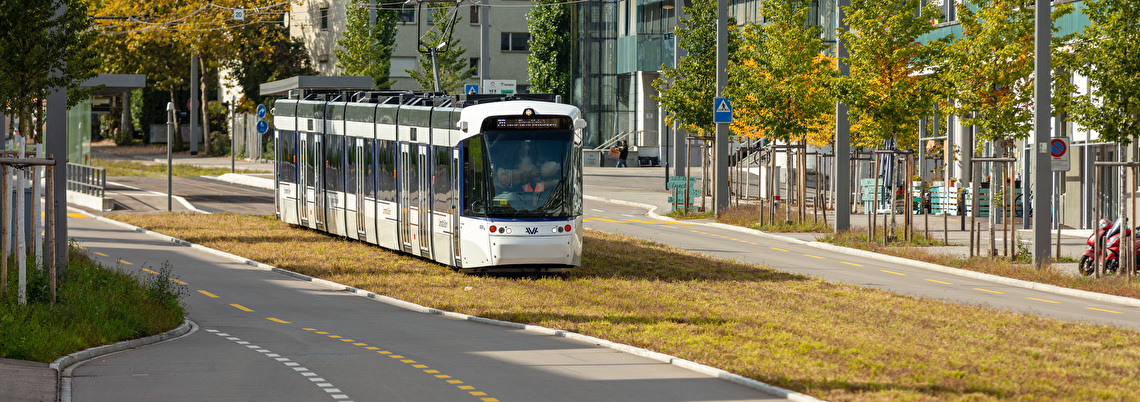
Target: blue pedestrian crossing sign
[722,110]
[471,89]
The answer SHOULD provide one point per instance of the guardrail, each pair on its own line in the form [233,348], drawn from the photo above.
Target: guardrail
[85,179]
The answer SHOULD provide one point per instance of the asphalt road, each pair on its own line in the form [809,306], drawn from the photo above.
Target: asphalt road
[851,269]
[265,336]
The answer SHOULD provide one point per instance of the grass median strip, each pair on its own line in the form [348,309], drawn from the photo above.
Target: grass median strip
[833,341]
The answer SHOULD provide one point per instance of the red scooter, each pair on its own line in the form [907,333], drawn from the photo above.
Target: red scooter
[1110,249]
[1085,265]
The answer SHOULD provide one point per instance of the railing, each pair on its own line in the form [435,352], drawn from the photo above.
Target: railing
[85,179]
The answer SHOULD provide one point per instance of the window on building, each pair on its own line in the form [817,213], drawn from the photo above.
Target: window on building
[324,18]
[515,42]
[474,18]
[408,15]
[474,64]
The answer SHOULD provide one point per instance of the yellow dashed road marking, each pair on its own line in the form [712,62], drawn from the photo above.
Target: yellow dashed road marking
[407,361]
[101,254]
[309,329]
[1100,309]
[893,272]
[466,387]
[1043,300]
[242,308]
[178,281]
[335,336]
[778,249]
[989,291]
[75,215]
[815,256]
[125,262]
[323,333]
[938,281]
[431,371]
[372,348]
[347,340]
[208,294]
[667,226]
[396,356]
[851,263]
[277,320]
[360,344]
[608,220]
[149,271]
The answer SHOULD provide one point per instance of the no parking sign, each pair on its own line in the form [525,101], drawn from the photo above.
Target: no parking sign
[1059,154]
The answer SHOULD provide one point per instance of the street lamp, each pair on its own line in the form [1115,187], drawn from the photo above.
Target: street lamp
[427,49]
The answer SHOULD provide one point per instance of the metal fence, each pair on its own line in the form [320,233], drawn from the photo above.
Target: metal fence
[86,179]
[247,141]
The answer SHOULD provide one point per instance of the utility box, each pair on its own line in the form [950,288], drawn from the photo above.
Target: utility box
[592,158]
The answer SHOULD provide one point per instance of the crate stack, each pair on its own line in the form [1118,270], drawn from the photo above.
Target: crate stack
[983,201]
[943,198]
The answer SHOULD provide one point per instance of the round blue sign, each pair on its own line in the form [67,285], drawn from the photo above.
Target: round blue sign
[261,111]
[262,127]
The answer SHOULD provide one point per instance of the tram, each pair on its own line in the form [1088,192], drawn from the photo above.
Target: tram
[482,183]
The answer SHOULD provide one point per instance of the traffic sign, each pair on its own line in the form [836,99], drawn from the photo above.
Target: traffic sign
[471,89]
[693,192]
[239,14]
[722,110]
[1059,154]
[262,127]
[261,111]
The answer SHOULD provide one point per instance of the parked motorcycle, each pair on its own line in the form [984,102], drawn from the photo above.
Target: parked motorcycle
[1104,227]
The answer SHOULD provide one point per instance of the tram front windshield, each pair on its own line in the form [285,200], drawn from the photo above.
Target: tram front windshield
[518,174]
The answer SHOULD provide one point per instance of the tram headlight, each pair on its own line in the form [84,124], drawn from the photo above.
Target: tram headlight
[494,229]
[508,231]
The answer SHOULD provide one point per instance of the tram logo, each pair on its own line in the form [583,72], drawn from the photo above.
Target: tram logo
[531,230]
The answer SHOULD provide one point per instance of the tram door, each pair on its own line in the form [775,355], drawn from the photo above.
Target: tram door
[362,163]
[406,188]
[318,168]
[424,168]
[305,179]
[454,172]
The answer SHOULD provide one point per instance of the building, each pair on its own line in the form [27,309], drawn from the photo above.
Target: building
[320,23]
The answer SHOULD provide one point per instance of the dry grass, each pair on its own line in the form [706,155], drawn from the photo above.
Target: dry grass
[749,216]
[154,169]
[833,341]
[1119,285]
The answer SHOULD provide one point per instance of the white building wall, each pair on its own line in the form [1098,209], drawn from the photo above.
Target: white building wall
[506,16]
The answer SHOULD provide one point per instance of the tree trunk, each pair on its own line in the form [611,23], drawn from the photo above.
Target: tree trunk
[205,110]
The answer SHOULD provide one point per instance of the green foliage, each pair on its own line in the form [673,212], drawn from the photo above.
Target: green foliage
[272,56]
[366,50]
[95,306]
[990,66]
[35,43]
[779,78]
[548,64]
[454,68]
[686,91]
[1109,57]
[888,90]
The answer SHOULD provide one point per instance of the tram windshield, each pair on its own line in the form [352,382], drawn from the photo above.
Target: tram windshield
[520,174]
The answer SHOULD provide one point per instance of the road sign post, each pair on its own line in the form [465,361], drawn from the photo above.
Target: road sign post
[1059,154]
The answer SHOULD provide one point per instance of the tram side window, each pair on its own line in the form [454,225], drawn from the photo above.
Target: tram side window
[369,166]
[441,181]
[411,162]
[286,171]
[310,162]
[386,170]
[350,166]
[474,178]
[334,179]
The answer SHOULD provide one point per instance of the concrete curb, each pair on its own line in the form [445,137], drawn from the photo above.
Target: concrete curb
[682,363]
[64,365]
[245,180]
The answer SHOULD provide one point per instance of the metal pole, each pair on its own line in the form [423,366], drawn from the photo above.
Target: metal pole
[842,131]
[169,156]
[232,108]
[55,141]
[1042,80]
[484,42]
[193,104]
[720,190]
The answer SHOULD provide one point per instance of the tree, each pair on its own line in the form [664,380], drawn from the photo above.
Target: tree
[548,64]
[990,65]
[158,37]
[1108,56]
[365,49]
[276,56]
[889,88]
[780,78]
[454,68]
[40,52]
[686,91]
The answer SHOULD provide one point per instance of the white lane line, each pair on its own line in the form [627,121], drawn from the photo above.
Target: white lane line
[333,392]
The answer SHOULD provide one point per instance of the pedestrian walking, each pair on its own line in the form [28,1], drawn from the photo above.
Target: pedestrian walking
[623,152]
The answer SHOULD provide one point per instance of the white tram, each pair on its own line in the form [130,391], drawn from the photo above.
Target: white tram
[483,183]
